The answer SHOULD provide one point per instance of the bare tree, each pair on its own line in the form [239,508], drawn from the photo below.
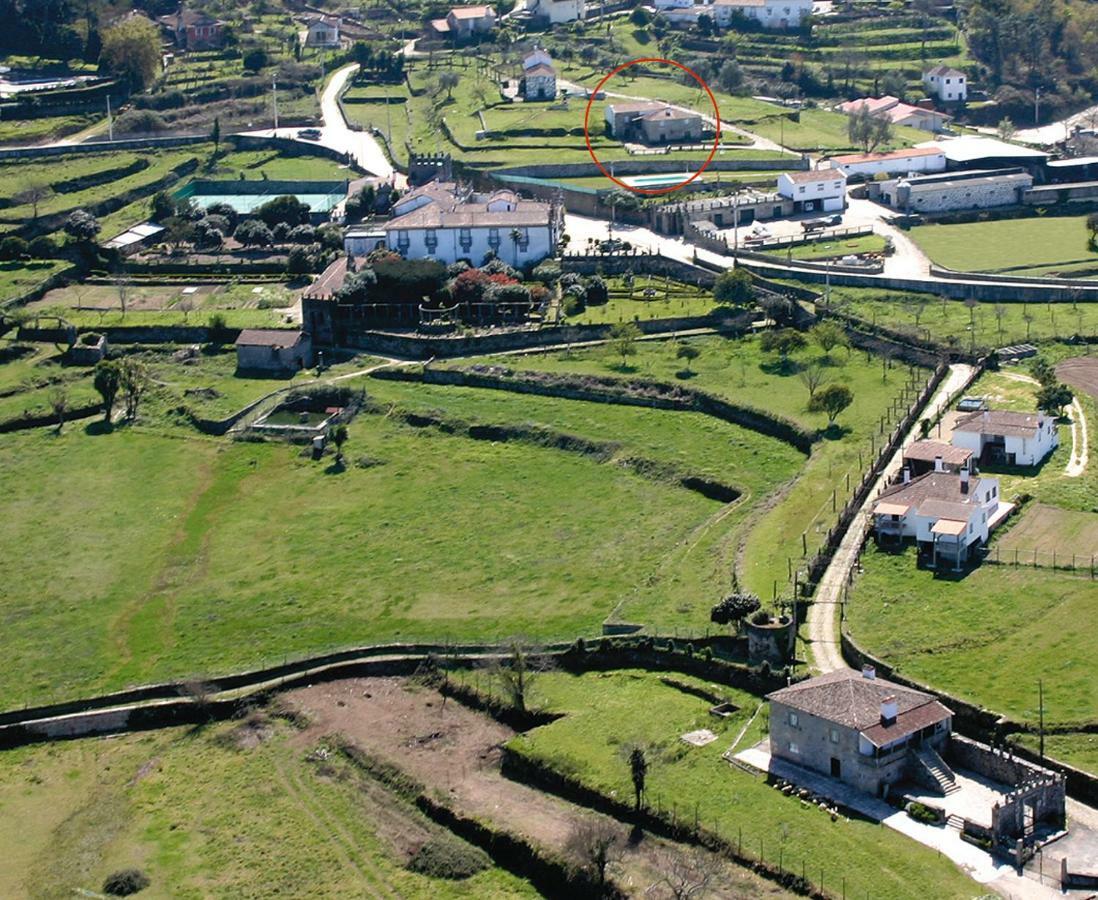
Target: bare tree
[34,194]
[59,402]
[1000,311]
[813,377]
[185,306]
[595,845]
[518,672]
[686,873]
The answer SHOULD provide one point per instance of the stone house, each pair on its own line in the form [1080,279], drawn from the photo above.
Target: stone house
[463,23]
[323,31]
[652,122]
[949,85]
[193,30]
[273,350]
[947,515]
[539,82]
[1002,436]
[949,191]
[814,190]
[863,730]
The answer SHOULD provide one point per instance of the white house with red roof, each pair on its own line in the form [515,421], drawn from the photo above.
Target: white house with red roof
[814,190]
[1003,436]
[895,162]
[899,113]
[465,22]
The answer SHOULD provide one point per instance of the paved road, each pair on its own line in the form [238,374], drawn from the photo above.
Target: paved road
[823,627]
[335,134]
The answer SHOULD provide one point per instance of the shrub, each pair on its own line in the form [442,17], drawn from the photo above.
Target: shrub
[302,234]
[287,209]
[217,322]
[761,617]
[42,247]
[139,121]
[922,813]
[256,59]
[597,292]
[90,338]
[125,882]
[253,233]
[446,856]
[12,247]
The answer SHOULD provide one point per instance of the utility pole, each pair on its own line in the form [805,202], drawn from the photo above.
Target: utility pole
[110,120]
[274,96]
[1037,106]
[827,293]
[1041,715]
[735,226]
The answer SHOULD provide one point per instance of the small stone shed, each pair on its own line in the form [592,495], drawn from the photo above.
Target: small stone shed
[273,350]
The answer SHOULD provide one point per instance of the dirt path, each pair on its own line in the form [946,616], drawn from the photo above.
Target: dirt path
[823,628]
[452,749]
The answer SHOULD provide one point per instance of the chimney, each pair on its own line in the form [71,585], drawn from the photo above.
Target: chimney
[938,467]
[986,416]
[888,710]
[907,474]
[964,481]
[868,672]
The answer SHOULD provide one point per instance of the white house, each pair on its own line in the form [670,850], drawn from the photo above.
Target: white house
[446,226]
[948,515]
[557,12]
[897,162]
[323,31]
[663,5]
[771,13]
[815,190]
[947,84]
[1013,438]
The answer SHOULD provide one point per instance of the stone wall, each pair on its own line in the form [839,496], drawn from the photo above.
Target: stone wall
[647,165]
[147,143]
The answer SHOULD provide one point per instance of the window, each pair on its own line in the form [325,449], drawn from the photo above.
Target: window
[793,719]
[800,190]
[834,735]
[793,748]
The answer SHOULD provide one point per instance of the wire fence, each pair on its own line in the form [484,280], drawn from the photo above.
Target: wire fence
[1034,558]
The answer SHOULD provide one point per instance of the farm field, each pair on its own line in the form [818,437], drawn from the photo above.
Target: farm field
[17,278]
[600,723]
[1018,246]
[1049,530]
[986,637]
[737,369]
[201,810]
[211,541]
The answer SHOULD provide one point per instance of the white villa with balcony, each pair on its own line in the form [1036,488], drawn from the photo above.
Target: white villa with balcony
[1011,438]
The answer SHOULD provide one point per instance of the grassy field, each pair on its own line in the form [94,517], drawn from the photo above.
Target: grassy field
[986,637]
[739,370]
[17,278]
[227,810]
[208,542]
[1016,245]
[1047,529]
[601,724]
[869,243]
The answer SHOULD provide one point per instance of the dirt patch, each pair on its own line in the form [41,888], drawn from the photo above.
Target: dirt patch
[452,749]
[1048,528]
[1081,373]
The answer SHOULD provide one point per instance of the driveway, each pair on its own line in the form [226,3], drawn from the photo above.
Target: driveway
[335,133]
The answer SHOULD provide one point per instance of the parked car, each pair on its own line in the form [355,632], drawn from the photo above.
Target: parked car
[309,134]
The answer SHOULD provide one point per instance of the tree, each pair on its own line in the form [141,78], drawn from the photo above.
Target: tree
[286,209]
[687,873]
[733,609]
[35,195]
[516,239]
[1052,398]
[1005,129]
[517,673]
[133,383]
[782,341]
[638,772]
[215,134]
[866,129]
[688,353]
[832,399]
[828,336]
[1043,372]
[338,434]
[640,17]
[447,81]
[595,845]
[253,233]
[623,340]
[734,286]
[730,77]
[178,231]
[107,379]
[813,377]
[12,248]
[256,59]
[58,399]
[162,206]
[131,52]
[82,225]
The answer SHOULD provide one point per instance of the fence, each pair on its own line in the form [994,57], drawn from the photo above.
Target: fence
[1045,559]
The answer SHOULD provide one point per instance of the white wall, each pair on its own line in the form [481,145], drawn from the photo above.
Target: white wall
[775,14]
[449,249]
[815,190]
[928,163]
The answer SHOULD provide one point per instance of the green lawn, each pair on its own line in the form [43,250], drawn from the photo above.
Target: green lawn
[204,813]
[987,637]
[253,164]
[1017,245]
[601,723]
[204,542]
[17,278]
[833,249]
[739,370]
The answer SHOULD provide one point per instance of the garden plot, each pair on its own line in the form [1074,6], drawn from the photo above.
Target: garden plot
[1046,529]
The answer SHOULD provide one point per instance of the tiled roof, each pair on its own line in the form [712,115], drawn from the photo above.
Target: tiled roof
[945,71]
[635,106]
[847,698]
[909,153]
[328,283]
[471,12]
[541,69]
[1001,421]
[810,176]
[669,112]
[935,494]
[435,190]
[928,451]
[529,213]
[266,337]
[186,18]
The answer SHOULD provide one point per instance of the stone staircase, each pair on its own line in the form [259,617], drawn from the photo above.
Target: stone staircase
[937,769]
[955,821]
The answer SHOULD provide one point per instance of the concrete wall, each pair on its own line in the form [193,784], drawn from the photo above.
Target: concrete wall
[649,166]
[147,143]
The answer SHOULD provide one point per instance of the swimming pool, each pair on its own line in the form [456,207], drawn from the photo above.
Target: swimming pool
[658,180]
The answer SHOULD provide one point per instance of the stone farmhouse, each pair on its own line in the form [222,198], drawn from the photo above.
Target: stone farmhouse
[899,113]
[948,515]
[444,222]
[273,350]
[652,122]
[323,31]
[814,190]
[949,85]
[1013,438]
[858,728]
[463,23]
[948,191]
[556,12]
[897,162]
[193,30]
[539,78]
